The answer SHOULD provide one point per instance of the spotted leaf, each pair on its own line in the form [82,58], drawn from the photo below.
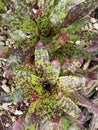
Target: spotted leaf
[59,13]
[25,77]
[49,125]
[57,42]
[41,58]
[71,66]
[52,72]
[46,6]
[86,103]
[80,11]
[68,106]
[71,83]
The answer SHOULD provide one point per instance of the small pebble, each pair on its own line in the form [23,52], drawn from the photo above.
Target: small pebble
[7,124]
[4,81]
[77,42]
[95,26]
[5,106]
[13,118]
[93,20]
[5,88]
[17,112]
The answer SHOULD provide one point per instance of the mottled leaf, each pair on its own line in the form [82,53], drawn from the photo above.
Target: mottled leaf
[18,58]
[41,58]
[17,35]
[49,125]
[92,75]
[71,83]
[52,72]
[15,96]
[46,6]
[86,102]
[80,11]
[57,42]
[24,76]
[68,106]
[92,48]
[71,66]
[18,125]
[59,13]
[65,123]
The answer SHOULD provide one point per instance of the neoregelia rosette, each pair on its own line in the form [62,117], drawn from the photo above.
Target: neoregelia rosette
[42,81]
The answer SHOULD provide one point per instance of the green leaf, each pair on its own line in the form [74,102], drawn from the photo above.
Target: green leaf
[70,83]
[47,6]
[41,58]
[59,12]
[24,76]
[80,11]
[52,72]
[65,123]
[69,107]
[57,42]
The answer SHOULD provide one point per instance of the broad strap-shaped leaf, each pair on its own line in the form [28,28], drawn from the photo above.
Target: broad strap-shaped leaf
[41,58]
[19,16]
[59,13]
[17,95]
[18,124]
[57,42]
[92,48]
[70,83]
[85,102]
[52,72]
[32,118]
[25,77]
[46,6]
[71,66]
[49,125]
[80,11]
[68,106]
[19,56]
[65,123]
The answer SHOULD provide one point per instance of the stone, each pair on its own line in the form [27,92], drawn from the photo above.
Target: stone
[77,42]
[5,88]
[5,106]
[93,20]
[95,26]
[18,112]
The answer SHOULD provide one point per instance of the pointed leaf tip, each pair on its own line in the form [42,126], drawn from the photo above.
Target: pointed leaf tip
[88,80]
[39,11]
[82,118]
[56,120]
[80,60]
[39,44]
[64,36]
[55,62]
[33,95]
[67,62]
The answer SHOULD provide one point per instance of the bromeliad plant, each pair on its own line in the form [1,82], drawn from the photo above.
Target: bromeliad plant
[51,94]
[50,18]
[48,92]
